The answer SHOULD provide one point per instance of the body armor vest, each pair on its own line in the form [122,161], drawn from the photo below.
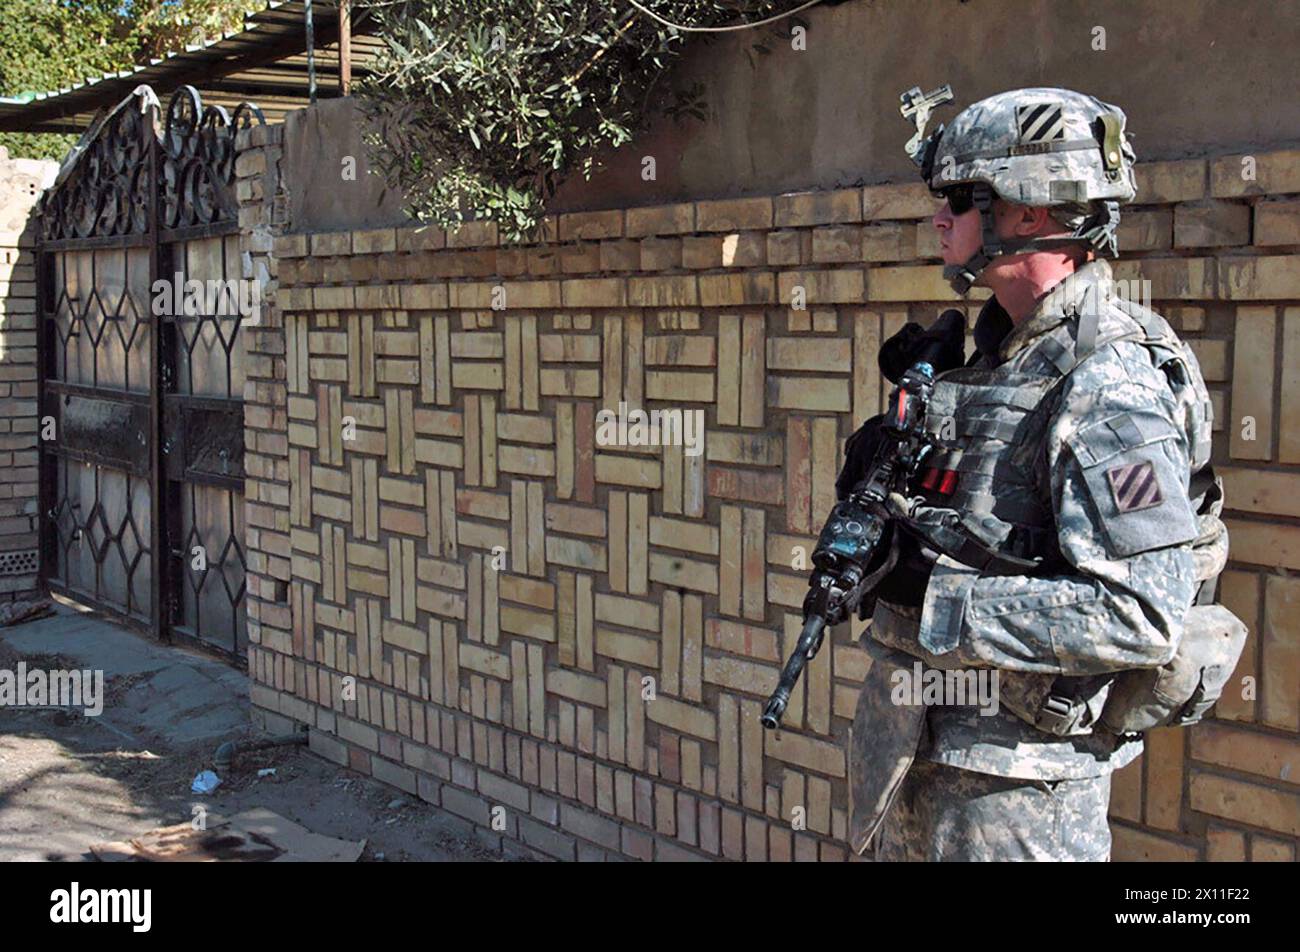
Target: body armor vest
[991,424]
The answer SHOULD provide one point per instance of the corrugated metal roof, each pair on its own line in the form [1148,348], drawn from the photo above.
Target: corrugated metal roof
[264,63]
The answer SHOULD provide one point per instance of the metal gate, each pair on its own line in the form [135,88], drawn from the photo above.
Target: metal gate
[141,412]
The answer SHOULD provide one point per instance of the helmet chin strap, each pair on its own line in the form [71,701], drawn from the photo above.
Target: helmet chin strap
[1097,232]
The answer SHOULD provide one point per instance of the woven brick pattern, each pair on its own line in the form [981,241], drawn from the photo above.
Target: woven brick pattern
[568,644]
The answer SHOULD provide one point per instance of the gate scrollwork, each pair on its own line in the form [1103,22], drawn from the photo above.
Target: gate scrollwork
[106,190]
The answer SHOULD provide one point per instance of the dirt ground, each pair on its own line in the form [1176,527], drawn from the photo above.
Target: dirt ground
[68,780]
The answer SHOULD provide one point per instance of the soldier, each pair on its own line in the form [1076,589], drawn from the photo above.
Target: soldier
[1054,537]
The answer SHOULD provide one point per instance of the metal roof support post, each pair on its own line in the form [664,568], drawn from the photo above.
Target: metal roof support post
[345,47]
[311,57]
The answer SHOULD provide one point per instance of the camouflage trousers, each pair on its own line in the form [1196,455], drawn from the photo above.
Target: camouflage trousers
[943,813]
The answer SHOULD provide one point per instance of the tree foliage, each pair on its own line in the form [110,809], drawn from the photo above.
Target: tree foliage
[479,108]
[50,44]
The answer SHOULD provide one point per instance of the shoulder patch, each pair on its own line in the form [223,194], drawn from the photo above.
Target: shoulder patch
[1136,476]
[1135,486]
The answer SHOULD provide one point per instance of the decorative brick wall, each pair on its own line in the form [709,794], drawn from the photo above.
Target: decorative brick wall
[401,429]
[21,183]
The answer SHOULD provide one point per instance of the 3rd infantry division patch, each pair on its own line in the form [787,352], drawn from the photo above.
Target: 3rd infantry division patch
[1135,486]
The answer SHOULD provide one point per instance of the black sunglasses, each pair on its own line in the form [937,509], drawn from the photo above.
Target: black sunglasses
[961,198]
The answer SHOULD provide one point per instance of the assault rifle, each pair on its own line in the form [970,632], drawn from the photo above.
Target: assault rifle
[848,543]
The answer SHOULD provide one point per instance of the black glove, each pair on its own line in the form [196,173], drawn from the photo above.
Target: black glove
[859,451]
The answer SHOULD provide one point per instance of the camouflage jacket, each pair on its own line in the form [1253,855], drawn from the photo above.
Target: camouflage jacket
[1108,464]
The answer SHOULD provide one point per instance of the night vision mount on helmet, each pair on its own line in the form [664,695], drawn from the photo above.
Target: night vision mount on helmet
[1041,146]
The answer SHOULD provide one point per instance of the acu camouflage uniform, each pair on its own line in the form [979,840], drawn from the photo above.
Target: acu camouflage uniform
[1072,455]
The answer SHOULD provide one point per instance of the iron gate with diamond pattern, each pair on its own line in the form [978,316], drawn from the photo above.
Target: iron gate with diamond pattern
[141,406]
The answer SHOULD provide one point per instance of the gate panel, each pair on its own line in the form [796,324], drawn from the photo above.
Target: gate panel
[144,462]
[205,459]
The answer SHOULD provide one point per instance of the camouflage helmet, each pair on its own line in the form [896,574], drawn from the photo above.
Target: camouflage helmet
[1039,146]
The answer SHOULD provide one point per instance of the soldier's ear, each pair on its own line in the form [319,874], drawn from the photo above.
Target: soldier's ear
[1034,220]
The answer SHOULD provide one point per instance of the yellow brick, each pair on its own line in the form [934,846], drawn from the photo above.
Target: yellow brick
[1130,845]
[569,382]
[1265,849]
[839,244]
[1211,224]
[684,718]
[582,688]
[680,572]
[520,428]
[527,622]
[1223,845]
[680,350]
[881,202]
[374,241]
[1250,751]
[679,386]
[423,297]
[924,283]
[838,286]
[1289,436]
[737,674]
[748,449]
[472,234]
[331,243]
[526,460]
[1212,355]
[725,290]
[1252,383]
[1251,803]
[681,534]
[531,294]
[1161,182]
[817,208]
[1185,278]
[819,755]
[1273,173]
[1271,545]
[663,291]
[527,591]
[1277,223]
[816,356]
[569,348]
[578,520]
[884,242]
[494,664]
[661,254]
[421,238]
[628,471]
[1280,654]
[1259,278]
[332,299]
[620,255]
[477,376]
[1263,491]
[788,247]
[583,225]
[628,612]
[808,393]
[735,214]
[575,553]
[702,252]
[477,344]
[1147,230]
[661,220]
[594,292]
[628,648]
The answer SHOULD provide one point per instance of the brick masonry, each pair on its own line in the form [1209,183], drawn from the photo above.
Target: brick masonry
[466,596]
[21,182]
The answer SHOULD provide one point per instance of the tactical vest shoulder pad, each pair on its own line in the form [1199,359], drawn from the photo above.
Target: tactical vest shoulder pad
[1182,372]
